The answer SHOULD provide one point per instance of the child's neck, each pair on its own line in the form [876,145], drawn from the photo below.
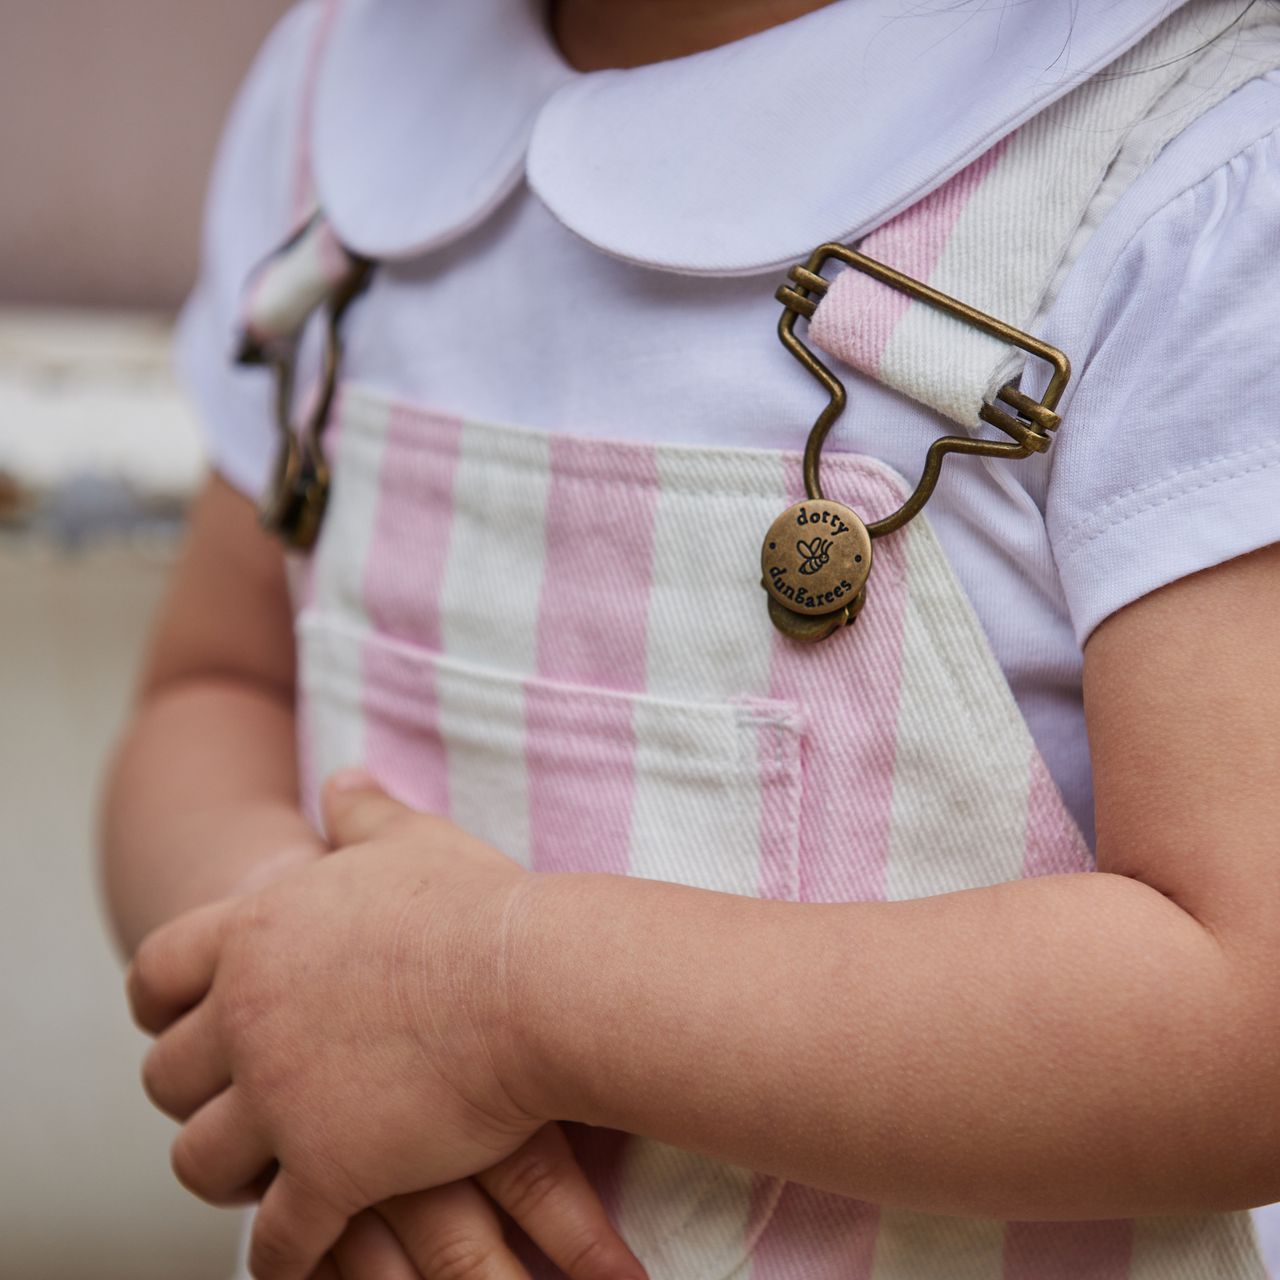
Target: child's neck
[596,34]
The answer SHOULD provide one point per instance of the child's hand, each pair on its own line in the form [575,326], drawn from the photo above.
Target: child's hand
[349,1023]
[454,1230]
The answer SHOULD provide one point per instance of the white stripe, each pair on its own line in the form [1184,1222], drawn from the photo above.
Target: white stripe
[1206,1247]
[683,1215]
[1007,244]
[348,529]
[338,585]
[489,615]
[708,630]
[697,803]
[482,724]
[330,667]
[961,777]
[911,1246]
[292,284]
[497,554]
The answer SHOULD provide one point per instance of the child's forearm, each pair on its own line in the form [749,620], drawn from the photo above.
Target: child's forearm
[1073,1047]
[202,799]
[202,802]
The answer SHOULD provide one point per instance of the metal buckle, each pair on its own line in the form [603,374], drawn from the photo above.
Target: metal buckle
[294,504]
[1030,424]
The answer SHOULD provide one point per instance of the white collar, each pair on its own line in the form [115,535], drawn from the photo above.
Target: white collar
[733,161]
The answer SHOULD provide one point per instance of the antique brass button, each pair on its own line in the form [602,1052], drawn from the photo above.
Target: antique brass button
[815,561]
[815,589]
[809,630]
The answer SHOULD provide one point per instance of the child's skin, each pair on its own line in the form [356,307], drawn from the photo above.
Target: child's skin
[1111,1037]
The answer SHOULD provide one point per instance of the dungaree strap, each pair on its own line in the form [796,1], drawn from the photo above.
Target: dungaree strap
[998,237]
[308,270]
[1001,234]
[311,271]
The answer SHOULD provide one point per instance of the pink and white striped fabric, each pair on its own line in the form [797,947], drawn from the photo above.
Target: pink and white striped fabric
[1001,234]
[563,644]
[288,288]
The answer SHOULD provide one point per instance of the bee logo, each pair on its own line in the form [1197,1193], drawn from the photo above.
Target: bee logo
[816,553]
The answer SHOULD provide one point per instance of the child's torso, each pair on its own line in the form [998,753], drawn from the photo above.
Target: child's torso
[629,354]
[554,631]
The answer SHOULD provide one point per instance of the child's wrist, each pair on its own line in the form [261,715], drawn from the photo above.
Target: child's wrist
[543,1039]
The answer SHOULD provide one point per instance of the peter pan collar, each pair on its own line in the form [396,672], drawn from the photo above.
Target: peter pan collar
[733,161]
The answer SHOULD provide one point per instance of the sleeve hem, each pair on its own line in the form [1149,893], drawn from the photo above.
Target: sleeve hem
[225,400]
[1224,508]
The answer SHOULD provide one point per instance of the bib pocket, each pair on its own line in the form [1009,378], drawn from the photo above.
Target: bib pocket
[564,777]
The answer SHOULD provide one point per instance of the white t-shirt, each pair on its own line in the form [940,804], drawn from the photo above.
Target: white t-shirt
[598,253]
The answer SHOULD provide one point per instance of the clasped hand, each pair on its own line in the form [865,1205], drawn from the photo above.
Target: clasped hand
[342,1042]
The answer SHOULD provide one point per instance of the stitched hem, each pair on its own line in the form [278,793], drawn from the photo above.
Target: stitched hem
[1203,474]
[1186,518]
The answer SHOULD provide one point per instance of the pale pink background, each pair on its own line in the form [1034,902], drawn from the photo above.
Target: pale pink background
[109,111]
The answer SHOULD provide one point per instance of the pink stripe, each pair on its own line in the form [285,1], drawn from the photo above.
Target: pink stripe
[1054,845]
[403,577]
[402,744]
[580,757]
[858,315]
[580,752]
[814,1235]
[409,548]
[1068,1250]
[601,506]
[851,742]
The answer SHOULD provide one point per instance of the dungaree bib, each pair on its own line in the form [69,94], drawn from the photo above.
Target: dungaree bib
[561,643]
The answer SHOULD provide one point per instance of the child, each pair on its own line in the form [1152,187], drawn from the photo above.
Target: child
[787,902]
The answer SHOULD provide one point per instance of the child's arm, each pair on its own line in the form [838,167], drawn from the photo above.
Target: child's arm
[1074,1046]
[202,800]
[203,803]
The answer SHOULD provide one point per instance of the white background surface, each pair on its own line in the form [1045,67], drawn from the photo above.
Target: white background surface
[85,1188]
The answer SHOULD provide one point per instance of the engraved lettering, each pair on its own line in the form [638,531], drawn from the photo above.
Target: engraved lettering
[837,525]
[813,555]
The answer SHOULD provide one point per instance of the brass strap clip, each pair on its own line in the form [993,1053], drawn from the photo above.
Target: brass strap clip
[294,504]
[817,587]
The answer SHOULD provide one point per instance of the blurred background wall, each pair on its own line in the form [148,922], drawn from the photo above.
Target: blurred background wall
[109,111]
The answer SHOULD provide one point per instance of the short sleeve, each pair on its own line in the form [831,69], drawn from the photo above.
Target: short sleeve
[1168,459]
[253,202]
